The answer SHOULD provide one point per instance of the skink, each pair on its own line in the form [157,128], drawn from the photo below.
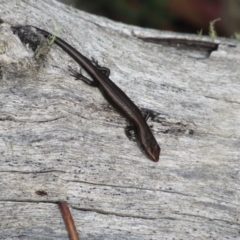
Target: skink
[115,96]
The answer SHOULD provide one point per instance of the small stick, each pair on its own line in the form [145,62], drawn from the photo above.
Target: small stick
[66,214]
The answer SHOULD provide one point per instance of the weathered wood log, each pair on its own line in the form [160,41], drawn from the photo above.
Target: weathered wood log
[60,139]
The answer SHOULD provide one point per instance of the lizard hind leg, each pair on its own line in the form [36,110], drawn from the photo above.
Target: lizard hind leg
[79,76]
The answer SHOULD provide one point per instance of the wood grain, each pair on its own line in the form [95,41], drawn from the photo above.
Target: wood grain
[61,138]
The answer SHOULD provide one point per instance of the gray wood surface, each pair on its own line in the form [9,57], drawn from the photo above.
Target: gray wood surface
[60,136]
